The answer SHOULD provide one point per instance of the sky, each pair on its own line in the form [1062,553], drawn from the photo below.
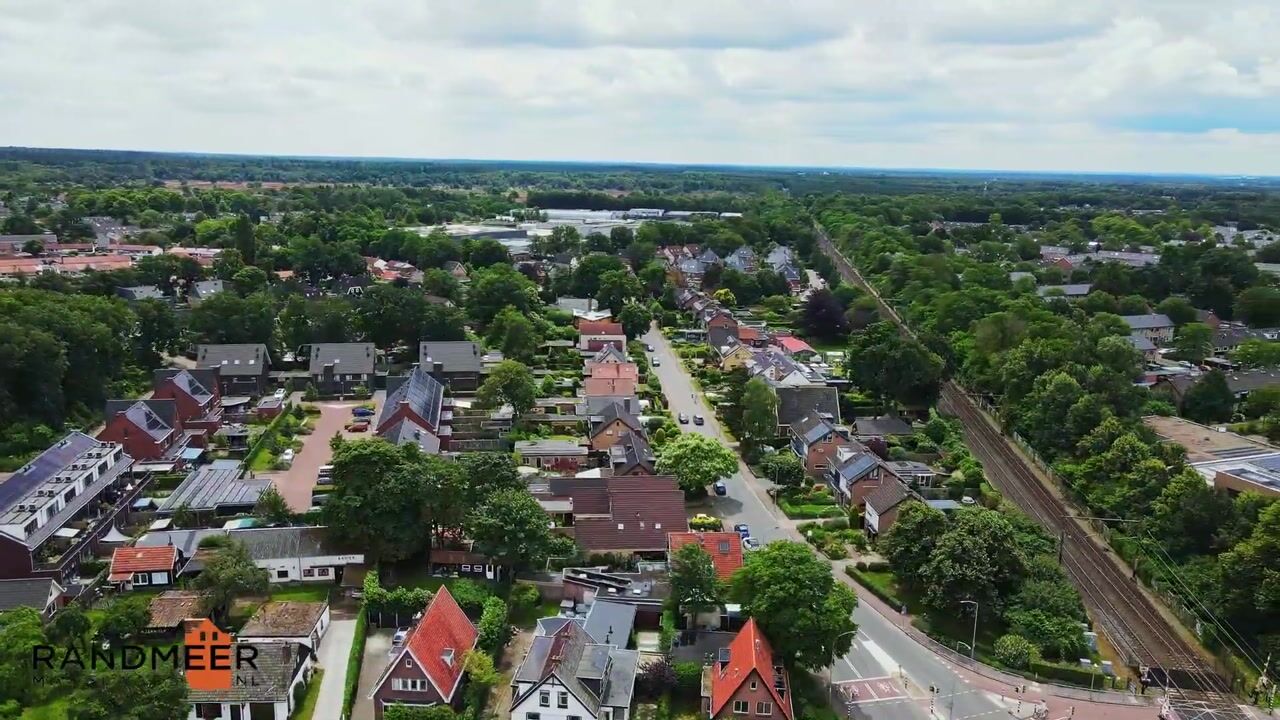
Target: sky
[1058,85]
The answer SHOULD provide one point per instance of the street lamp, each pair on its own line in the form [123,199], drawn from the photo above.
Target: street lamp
[830,674]
[973,644]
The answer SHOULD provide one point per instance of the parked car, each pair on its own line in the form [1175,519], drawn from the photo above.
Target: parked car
[361,412]
[279,393]
[749,543]
[657,362]
[398,639]
[357,426]
[683,418]
[286,457]
[648,347]
[721,488]
[742,529]
[698,420]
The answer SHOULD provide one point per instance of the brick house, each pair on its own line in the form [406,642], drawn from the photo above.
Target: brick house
[340,368]
[632,455]
[243,369]
[416,403]
[725,549]
[595,334]
[746,682]
[608,427]
[721,327]
[853,474]
[427,669]
[196,393]
[133,567]
[883,505]
[815,440]
[148,429]
[596,386]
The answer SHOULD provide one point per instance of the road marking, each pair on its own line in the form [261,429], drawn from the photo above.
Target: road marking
[852,669]
[877,653]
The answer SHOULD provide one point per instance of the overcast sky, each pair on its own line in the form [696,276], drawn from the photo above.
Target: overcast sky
[1087,85]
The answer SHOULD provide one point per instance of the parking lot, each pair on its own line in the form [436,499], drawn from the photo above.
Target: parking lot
[296,483]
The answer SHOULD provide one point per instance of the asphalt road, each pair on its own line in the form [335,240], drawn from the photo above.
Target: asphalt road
[882,655]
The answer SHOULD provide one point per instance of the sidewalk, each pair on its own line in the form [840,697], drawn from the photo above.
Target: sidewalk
[335,652]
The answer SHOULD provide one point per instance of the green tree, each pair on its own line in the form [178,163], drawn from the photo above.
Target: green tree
[515,335]
[131,695]
[617,288]
[158,331]
[511,527]
[230,574]
[697,461]
[495,288]
[1194,342]
[793,596]
[124,618]
[1188,513]
[1257,353]
[783,468]
[694,584]
[487,473]
[978,558]
[1178,309]
[509,383]
[1259,306]
[242,232]
[635,319]
[1262,401]
[1209,400]
[759,413]
[882,361]
[69,624]
[485,253]
[822,316]
[1016,652]
[910,543]
[725,296]
[21,630]
[441,284]
[229,318]
[272,508]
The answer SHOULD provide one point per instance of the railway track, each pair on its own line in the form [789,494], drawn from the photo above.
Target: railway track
[1127,616]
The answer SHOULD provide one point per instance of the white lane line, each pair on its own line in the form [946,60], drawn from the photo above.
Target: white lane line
[884,659]
[852,669]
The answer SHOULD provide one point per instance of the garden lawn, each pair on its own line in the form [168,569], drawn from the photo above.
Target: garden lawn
[52,710]
[528,618]
[302,593]
[307,709]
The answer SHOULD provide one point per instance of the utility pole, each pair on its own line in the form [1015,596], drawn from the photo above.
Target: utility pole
[973,645]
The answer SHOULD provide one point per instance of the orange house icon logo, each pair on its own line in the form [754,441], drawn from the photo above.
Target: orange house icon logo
[209,656]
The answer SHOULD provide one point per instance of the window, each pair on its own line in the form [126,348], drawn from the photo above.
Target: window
[308,573]
[322,572]
[820,466]
[753,685]
[236,713]
[282,574]
[410,684]
[764,708]
[544,698]
[575,717]
[208,711]
[741,707]
[562,699]
[142,578]
[532,716]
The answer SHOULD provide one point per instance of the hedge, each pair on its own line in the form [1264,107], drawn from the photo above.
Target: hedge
[272,429]
[1068,674]
[870,586]
[354,659]
[809,512]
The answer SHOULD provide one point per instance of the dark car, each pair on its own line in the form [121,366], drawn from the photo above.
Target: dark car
[649,348]
[683,418]
[720,488]
[361,412]
[742,529]
[698,420]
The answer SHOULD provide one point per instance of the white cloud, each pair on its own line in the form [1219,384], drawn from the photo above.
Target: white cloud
[1157,85]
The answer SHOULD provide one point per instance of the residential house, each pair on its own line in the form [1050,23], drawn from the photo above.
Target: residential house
[454,363]
[296,554]
[912,473]
[427,669]
[1230,335]
[148,429]
[1240,382]
[880,427]
[302,623]
[195,393]
[606,623]
[464,562]
[458,271]
[44,595]
[747,681]
[797,401]
[636,515]
[882,506]
[266,691]
[416,403]
[172,611]
[779,256]
[583,309]
[632,455]
[145,567]
[725,549]
[607,355]
[795,347]
[55,508]
[1144,346]
[609,385]
[564,456]
[853,474]
[645,591]
[793,276]
[743,260]
[709,257]
[608,427]
[405,431]
[733,355]
[689,273]
[11,245]
[218,489]
[721,328]
[595,404]
[1070,291]
[567,676]
[1157,327]
[140,292]
[340,368]
[1208,317]
[595,334]
[202,290]
[243,369]
[815,439]
[756,337]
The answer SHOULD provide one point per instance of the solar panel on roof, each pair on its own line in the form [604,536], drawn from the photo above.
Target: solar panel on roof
[1269,463]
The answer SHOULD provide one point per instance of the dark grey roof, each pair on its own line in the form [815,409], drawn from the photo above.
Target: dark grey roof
[201,383]
[779,256]
[423,393]
[632,450]
[813,427]
[856,466]
[145,414]
[881,425]
[611,412]
[596,404]
[789,272]
[888,495]
[610,623]
[140,292]
[1140,343]
[269,543]
[609,351]
[25,592]
[405,431]
[453,356]
[797,401]
[691,266]
[186,541]
[708,256]
[210,487]
[720,336]
[552,625]
[278,663]
[205,288]
[550,447]
[1070,290]
[570,656]
[569,304]
[241,359]
[1147,322]
[346,358]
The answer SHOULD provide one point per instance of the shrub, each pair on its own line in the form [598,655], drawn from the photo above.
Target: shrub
[310,394]
[524,598]
[493,628]
[666,631]
[688,677]
[1016,651]
[471,595]
[836,524]
[706,523]
[354,660]
[656,678]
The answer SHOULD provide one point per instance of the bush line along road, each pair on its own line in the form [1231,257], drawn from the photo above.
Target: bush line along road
[882,649]
[1132,623]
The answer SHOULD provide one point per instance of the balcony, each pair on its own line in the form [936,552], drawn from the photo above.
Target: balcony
[92,514]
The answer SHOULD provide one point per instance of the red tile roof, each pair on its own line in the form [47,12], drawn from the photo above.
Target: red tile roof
[126,561]
[748,653]
[725,548]
[599,327]
[748,334]
[598,386]
[647,507]
[443,628]
[615,370]
[793,344]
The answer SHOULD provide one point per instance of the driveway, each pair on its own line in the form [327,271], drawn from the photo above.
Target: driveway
[377,653]
[335,652]
[296,483]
